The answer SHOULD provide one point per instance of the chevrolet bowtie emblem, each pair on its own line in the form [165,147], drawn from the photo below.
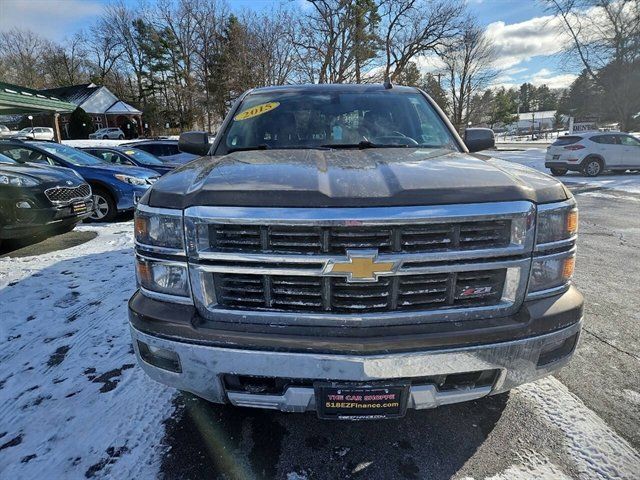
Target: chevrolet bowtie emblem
[361,266]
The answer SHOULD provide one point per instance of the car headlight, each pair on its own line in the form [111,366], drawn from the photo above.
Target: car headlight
[17,180]
[161,276]
[159,228]
[131,180]
[556,222]
[555,253]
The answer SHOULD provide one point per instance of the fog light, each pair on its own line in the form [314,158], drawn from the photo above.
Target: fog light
[160,357]
[23,204]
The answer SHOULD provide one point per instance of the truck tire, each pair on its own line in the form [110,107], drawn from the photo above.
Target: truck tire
[104,207]
[558,172]
[592,167]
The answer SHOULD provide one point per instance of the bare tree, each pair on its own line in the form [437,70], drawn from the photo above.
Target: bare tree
[605,37]
[22,57]
[410,28]
[469,69]
[103,48]
[65,65]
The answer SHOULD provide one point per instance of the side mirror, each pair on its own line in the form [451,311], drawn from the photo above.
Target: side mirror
[477,139]
[194,142]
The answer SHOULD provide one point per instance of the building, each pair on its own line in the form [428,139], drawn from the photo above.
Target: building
[17,101]
[106,110]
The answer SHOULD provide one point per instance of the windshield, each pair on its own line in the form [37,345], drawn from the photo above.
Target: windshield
[71,155]
[6,160]
[143,157]
[26,130]
[335,120]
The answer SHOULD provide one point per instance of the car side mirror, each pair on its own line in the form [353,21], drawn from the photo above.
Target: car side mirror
[194,142]
[477,139]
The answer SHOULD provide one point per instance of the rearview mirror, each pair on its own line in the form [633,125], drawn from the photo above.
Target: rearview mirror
[194,142]
[477,139]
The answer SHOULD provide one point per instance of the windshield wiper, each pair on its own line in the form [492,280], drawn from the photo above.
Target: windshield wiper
[366,144]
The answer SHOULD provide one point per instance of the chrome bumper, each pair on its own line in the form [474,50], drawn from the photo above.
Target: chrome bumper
[203,366]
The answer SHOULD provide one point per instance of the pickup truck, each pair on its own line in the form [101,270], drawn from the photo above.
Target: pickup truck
[338,249]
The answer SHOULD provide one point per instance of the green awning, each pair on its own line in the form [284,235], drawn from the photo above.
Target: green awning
[17,99]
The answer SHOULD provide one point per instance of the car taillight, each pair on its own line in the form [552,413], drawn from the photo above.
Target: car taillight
[574,147]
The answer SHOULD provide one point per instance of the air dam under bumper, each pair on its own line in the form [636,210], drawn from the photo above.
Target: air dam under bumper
[202,368]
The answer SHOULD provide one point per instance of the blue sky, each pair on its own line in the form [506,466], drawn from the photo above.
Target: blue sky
[521,30]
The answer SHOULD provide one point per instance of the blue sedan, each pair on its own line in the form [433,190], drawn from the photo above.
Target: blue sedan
[116,188]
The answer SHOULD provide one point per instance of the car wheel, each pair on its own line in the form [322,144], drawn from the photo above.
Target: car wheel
[104,137]
[104,208]
[558,172]
[592,167]
[121,137]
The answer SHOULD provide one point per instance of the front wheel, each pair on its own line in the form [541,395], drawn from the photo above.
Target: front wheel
[592,167]
[558,172]
[121,137]
[104,208]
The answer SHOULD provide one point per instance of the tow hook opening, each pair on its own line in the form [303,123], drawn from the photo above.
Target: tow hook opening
[557,350]
[160,357]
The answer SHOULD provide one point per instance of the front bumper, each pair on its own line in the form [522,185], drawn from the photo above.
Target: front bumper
[516,360]
[41,220]
[129,196]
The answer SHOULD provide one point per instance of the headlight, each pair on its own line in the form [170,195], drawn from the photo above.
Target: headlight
[159,227]
[168,278]
[556,222]
[17,180]
[131,180]
[552,271]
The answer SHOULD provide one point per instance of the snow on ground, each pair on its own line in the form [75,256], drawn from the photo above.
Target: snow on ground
[96,143]
[534,158]
[72,401]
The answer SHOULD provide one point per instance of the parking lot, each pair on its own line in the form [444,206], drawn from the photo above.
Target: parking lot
[75,404]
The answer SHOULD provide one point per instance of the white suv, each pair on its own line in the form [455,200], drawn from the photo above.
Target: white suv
[35,133]
[592,153]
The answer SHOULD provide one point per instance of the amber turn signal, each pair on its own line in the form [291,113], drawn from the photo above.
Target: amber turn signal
[568,268]
[572,222]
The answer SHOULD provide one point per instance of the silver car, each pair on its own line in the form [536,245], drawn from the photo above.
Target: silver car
[106,133]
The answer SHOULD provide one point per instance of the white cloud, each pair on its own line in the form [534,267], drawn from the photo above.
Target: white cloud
[519,42]
[53,19]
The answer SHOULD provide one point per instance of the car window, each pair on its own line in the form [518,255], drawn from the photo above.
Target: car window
[629,141]
[308,120]
[566,140]
[6,160]
[171,149]
[605,139]
[23,155]
[72,155]
[143,157]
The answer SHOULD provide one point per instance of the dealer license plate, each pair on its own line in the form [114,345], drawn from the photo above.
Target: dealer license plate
[360,402]
[78,208]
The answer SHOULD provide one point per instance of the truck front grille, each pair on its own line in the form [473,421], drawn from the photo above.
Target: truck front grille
[68,194]
[319,266]
[413,238]
[334,295]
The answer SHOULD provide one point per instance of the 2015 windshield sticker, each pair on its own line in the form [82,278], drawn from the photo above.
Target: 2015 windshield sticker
[257,110]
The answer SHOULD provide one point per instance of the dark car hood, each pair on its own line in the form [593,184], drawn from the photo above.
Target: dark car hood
[48,175]
[351,178]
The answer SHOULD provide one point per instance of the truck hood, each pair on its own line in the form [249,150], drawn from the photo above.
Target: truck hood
[351,178]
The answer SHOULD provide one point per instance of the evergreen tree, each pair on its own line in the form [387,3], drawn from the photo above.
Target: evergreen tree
[80,124]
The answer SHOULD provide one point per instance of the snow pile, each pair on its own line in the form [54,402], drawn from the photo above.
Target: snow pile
[596,449]
[73,402]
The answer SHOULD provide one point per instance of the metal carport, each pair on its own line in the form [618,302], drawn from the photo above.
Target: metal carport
[15,99]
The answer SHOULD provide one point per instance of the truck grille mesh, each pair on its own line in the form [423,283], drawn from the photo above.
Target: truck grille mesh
[67,194]
[386,239]
[335,295]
